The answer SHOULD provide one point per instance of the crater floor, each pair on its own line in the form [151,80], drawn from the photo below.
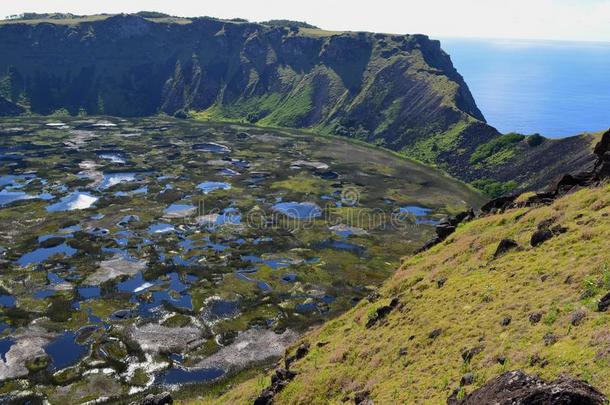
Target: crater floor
[161,252]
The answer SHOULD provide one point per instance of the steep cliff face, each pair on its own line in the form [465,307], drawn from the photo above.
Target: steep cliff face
[397,91]
[389,89]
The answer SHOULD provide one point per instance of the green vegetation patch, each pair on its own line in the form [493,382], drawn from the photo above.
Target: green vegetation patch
[498,150]
[495,188]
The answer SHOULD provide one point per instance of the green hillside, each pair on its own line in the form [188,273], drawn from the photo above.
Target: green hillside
[459,310]
[400,92]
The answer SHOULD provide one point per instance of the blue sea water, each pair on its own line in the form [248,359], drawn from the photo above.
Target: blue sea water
[553,88]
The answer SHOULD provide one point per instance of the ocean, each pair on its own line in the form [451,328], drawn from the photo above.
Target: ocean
[553,88]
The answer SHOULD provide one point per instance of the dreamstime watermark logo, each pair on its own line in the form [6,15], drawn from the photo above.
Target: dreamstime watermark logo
[350,196]
[345,213]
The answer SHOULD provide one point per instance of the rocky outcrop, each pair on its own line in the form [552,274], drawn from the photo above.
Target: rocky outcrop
[562,185]
[505,246]
[282,376]
[518,388]
[602,151]
[446,227]
[279,380]
[381,312]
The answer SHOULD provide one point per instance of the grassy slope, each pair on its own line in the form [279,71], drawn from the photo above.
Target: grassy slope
[567,273]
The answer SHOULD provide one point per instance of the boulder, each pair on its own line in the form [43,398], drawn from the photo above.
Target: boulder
[467,379]
[279,380]
[505,246]
[468,354]
[446,227]
[518,388]
[382,312]
[602,150]
[301,352]
[498,204]
[535,317]
[577,317]
[604,303]
[362,398]
[541,236]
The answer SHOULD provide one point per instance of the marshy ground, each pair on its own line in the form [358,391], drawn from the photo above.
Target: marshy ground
[155,252]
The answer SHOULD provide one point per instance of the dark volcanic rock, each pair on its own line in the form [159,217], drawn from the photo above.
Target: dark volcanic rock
[549,339]
[362,398]
[468,354]
[604,303]
[435,333]
[517,388]
[602,150]
[499,204]
[535,317]
[279,380]
[446,227]
[382,312]
[577,317]
[541,236]
[301,352]
[467,379]
[505,246]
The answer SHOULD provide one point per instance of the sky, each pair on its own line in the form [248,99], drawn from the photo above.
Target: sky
[576,20]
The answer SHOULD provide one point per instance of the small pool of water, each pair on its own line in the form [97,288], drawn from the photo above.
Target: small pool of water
[74,201]
[306,308]
[211,147]
[208,186]
[174,376]
[421,214]
[86,292]
[135,284]
[180,210]
[15,181]
[42,294]
[54,278]
[339,245]
[273,263]
[64,351]
[112,179]
[297,210]
[41,254]
[8,197]
[289,278]
[160,228]
[7,301]
[416,210]
[217,309]
[5,345]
